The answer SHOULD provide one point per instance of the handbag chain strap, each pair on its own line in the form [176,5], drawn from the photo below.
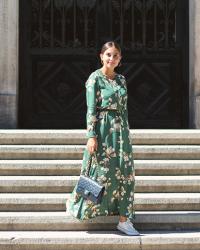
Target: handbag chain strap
[94,158]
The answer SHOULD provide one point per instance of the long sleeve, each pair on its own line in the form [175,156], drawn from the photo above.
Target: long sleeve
[126,117]
[125,100]
[91,100]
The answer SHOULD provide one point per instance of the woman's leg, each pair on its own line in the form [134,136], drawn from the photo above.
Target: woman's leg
[122,218]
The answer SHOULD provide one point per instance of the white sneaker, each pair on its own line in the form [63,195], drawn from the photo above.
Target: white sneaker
[127,228]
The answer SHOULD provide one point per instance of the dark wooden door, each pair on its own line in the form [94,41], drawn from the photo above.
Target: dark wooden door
[59,47]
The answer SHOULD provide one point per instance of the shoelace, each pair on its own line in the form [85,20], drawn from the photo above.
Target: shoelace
[128,222]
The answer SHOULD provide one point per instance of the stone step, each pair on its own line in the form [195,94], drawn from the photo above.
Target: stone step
[145,220]
[167,167]
[57,202]
[78,136]
[56,184]
[101,240]
[76,152]
[73,167]
[40,167]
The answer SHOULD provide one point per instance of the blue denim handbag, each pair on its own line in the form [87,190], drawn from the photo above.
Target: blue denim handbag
[89,188]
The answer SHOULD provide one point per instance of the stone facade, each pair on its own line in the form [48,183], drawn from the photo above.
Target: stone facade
[9,12]
[9,27]
[194,57]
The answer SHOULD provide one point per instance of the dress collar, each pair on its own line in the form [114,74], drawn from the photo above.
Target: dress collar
[100,73]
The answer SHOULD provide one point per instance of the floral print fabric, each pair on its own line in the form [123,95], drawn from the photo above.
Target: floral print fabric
[114,152]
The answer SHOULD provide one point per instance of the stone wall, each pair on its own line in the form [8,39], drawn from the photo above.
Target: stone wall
[194,57]
[8,63]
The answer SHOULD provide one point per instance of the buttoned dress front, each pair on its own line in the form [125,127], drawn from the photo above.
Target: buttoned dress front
[114,152]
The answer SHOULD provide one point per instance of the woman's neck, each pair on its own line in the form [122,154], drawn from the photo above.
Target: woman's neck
[108,72]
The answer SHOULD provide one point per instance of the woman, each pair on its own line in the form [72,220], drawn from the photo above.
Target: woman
[108,135]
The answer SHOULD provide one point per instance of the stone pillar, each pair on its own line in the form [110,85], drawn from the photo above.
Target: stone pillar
[194,57]
[9,13]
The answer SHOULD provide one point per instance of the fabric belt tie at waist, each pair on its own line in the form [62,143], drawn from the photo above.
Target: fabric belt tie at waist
[110,109]
[107,109]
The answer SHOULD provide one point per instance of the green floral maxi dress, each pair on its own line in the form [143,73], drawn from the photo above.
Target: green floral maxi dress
[114,151]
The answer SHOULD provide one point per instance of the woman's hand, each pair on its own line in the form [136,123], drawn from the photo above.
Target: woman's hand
[92,144]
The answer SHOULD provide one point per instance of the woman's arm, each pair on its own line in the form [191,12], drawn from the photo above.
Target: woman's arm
[91,100]
[124,82]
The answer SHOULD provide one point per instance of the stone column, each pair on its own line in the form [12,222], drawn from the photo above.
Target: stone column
[9,13]
[194,47]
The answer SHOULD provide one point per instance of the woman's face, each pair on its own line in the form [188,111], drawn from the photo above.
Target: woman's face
[111,58]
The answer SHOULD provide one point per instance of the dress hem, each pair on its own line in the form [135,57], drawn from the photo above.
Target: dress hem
[90,218]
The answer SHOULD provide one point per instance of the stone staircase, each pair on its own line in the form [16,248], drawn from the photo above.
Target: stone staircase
[38,169]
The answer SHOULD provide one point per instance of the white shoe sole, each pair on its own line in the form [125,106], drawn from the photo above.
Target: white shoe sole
[128,233]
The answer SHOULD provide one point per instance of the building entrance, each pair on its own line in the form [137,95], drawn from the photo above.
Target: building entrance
[60,42]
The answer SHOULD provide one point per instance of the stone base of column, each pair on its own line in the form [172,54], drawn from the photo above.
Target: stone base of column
[195,116]
[8,111]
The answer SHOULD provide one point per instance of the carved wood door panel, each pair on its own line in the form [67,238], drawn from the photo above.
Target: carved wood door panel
[59,47]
